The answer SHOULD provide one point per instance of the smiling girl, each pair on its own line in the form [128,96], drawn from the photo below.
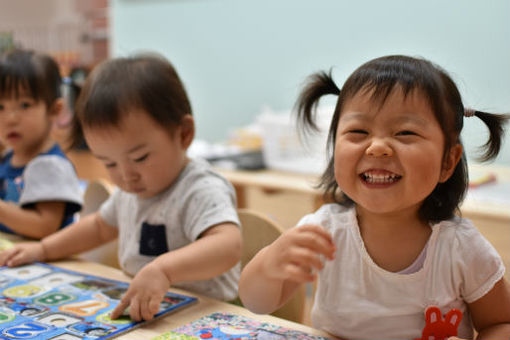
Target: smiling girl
[394,244]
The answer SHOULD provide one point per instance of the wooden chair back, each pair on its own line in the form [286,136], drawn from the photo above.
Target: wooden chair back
[96,193]
[258,231]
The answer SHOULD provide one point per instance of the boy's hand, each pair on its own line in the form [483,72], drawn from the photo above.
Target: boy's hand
[144,295]
[297,254]
[22,253]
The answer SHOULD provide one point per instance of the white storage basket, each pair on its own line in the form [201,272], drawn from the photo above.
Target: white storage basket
[285,149]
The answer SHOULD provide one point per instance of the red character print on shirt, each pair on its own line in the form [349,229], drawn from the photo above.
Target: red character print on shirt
[438,329]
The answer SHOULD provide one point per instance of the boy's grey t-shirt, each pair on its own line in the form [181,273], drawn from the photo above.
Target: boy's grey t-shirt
[199,199]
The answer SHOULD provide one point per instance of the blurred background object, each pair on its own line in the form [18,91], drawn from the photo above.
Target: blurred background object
[237,57]
[74,32]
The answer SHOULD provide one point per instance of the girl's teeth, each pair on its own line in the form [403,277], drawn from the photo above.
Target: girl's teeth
[377,178]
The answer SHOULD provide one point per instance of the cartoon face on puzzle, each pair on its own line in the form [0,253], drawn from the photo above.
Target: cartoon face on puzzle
[92,328]
[41,301]
[22,308]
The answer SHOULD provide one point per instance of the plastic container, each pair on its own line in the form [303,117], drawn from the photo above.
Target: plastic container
[287,150]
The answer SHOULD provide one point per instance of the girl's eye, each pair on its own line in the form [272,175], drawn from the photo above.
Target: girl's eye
[110,165]
[1,107]
[141,159]
[358,131]
[406,133]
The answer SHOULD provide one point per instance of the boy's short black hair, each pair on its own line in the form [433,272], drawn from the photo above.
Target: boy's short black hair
[25,72]
[145,82]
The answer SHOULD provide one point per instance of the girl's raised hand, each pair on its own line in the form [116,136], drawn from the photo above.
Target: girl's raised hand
[144,294]
[22,253]
[298,254]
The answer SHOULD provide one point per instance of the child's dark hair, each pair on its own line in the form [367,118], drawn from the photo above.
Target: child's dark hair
[121,85]
[381,76]
[24,72]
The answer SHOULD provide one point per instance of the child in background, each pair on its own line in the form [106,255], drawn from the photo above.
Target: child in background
[392,241]
[39,190]
[175,217]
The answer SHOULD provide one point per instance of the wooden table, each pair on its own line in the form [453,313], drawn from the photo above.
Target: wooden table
[203,307]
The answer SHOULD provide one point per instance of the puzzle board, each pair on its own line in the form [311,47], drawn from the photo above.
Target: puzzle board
[41,301]
[223,326]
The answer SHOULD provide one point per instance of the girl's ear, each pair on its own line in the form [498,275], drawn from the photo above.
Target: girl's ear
[450,162]
[187,131]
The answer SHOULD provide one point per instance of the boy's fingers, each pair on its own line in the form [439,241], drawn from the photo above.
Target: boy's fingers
[4,256]
[123,304]
[12,258]
[154,305]
[19,255]
[14,261]
[146,310]
[134,310]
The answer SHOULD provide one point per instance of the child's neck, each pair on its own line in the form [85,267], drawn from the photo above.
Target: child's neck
[393,240]
[22,157]
[390,222]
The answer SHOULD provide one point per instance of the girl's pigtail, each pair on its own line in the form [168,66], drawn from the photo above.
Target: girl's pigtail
[318,85]
[495,123]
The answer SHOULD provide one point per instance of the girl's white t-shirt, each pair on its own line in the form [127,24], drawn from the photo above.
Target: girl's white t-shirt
[357,299]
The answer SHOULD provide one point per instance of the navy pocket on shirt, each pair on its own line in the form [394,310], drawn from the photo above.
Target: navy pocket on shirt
[153,239]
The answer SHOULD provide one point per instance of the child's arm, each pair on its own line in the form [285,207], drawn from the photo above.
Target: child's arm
[83,235]
[217,250]
[274,274]
[44,219]
[491,313]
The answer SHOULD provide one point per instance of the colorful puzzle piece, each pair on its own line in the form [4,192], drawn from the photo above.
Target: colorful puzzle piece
[41,301]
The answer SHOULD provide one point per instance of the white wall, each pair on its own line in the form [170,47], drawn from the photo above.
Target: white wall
[236,56]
